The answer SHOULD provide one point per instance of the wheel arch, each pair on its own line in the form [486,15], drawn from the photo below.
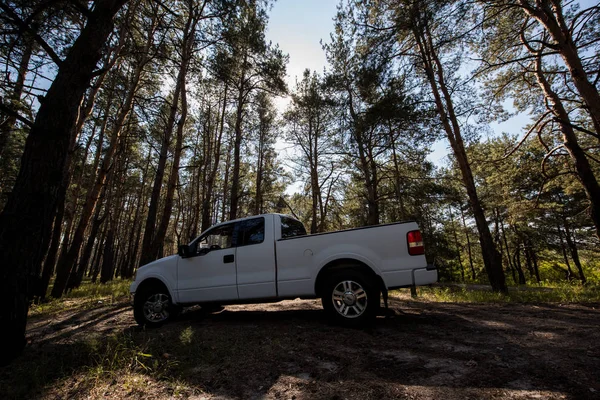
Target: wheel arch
[341,264]
[154,281]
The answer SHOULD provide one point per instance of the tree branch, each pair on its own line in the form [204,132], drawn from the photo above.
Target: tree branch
[15,114]
[25,27]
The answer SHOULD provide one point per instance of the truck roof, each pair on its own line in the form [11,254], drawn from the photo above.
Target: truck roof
[255,216]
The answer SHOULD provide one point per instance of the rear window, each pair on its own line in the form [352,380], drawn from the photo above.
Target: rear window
[291,228]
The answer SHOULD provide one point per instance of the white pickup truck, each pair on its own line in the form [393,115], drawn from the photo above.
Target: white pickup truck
[270,257]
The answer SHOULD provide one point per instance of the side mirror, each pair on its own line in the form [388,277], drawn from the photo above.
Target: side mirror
[184,251]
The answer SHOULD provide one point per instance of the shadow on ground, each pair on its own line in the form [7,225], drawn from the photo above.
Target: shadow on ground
[290,350]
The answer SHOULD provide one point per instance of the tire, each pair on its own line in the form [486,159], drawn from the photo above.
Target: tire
[152,306]
[351,298]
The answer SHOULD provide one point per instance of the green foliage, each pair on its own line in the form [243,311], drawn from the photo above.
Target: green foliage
[85,296]
[554,293]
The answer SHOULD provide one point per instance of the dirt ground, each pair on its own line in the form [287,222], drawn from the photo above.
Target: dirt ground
[289,350]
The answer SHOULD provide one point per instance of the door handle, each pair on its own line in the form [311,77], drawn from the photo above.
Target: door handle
[228,259]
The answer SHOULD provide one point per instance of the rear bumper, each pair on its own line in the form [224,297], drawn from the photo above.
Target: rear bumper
[411,277]
[425,276]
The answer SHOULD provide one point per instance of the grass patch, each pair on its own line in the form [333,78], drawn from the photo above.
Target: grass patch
[86,296]
[121,364]
[564,293]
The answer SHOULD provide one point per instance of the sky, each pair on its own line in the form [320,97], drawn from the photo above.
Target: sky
[298,26]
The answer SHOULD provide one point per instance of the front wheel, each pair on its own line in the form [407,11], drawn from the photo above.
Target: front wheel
[152,306]
[351,298]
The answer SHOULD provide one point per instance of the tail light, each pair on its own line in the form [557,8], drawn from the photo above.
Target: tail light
[415,243]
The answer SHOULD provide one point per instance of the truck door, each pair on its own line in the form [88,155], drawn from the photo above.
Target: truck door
[209,275]
[255,259]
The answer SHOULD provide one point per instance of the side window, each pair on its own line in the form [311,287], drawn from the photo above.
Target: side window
[218,238]
[252,231]
[291,228]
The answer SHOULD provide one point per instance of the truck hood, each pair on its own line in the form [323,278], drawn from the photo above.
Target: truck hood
[165,260]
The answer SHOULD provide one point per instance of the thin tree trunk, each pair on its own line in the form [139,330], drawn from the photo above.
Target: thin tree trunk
[50,261]
[107,270]
[564,253]
[173,177]
[95,267]
[226,179]
[365,167]
[573,250]
[517,263]
[235,178]
[535,262]
[462,268]
[210,182]
[8,124]
[508,255]
[462,215]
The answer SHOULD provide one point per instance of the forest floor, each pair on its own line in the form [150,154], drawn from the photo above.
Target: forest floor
[288,350]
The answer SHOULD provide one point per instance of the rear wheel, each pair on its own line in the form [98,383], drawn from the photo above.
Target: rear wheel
[152,306]
[351,298]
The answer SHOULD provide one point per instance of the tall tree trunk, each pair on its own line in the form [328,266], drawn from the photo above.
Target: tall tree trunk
[26,221]
[226,179]
[210,182]
[237,144]
[258,197]
[173,177]
[365,166]
[433,67]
